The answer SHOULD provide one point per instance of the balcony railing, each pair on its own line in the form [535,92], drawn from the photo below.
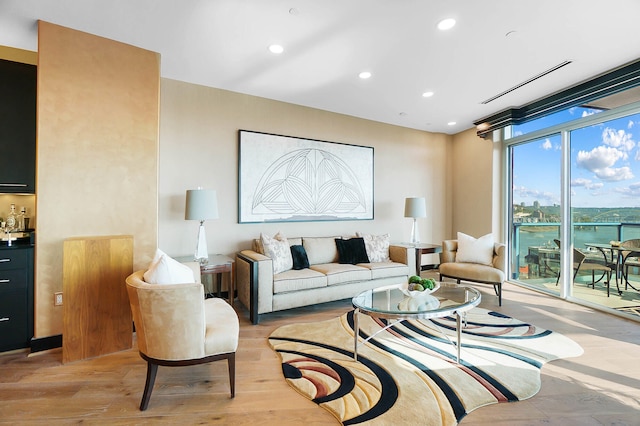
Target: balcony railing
[542,234]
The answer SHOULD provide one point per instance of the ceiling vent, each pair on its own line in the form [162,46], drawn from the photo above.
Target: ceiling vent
[534,78]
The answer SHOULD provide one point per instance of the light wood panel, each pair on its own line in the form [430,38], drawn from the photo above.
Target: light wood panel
[97,317]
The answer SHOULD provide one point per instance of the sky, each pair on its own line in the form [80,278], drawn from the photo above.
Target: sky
[605,163]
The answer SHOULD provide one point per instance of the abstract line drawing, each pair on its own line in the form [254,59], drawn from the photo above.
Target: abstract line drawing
[295,179]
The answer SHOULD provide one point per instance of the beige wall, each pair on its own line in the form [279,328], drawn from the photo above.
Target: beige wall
[198,147]
[199,144]
[96,152]
[475,193]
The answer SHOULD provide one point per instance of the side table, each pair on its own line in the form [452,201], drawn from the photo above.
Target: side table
[421,249]
[216,265]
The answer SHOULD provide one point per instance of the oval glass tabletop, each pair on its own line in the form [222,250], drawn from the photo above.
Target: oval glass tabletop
[392,302]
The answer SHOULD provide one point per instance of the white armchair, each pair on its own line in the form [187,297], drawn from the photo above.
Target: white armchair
[176,326]
[480,273]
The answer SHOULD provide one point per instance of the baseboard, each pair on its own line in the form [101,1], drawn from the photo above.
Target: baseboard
[46,343]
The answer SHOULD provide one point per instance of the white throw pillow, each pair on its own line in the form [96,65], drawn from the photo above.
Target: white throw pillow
[472,250]
[166,270]
[277,248]
[377,247]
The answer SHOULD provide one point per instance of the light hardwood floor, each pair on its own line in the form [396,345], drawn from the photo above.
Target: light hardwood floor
[601,387]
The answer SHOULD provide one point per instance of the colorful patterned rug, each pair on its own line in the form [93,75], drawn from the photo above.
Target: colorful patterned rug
[408,373]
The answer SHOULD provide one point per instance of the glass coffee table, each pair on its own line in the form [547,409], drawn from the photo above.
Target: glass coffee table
[392,303]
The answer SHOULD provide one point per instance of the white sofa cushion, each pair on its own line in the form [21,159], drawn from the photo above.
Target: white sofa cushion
[472,250]
[166,270]
[320,250]
[386,269]
[377,247]
[340,273]
[277,248]
[301,279]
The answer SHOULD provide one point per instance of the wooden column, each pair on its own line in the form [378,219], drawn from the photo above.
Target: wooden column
[96,312]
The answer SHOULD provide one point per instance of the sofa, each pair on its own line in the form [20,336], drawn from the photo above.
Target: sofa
[322,269]
[477,260]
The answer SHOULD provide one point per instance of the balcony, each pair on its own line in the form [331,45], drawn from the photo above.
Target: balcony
[535,262]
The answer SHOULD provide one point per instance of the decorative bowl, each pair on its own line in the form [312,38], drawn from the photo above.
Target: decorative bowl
[414,304]
[416,293]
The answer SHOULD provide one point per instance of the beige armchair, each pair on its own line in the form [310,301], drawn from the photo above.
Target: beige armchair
[474,272]
[176,326]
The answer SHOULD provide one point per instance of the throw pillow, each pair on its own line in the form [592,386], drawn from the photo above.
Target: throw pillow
[165,270]
[299,255]
[472,250]
[277,248]
[351,251]
[377,247]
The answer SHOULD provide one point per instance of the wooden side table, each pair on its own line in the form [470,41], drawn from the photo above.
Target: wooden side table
[216,265]
[421,249]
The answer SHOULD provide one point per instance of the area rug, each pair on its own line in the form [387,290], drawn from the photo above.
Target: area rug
[408,374]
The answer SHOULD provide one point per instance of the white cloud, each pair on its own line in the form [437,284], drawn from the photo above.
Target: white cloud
[599,158]
[600,161]
[586,183]
[587,113]
[611,174]
[630,124]
[632,190]
[545,198]
[546,145]
[618,139]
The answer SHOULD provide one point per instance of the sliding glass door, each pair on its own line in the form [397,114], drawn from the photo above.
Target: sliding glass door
[535,211]
[580,180]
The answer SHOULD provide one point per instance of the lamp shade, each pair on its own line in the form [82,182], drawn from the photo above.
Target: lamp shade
[201,204]
[415,207]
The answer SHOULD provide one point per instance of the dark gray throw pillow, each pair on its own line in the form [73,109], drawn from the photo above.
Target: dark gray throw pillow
[299,255]
[351,251]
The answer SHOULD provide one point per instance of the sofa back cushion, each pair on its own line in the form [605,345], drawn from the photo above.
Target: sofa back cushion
[320,249]
[258,248]
[277,248]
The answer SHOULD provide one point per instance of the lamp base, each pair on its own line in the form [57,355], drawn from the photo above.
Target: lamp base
[201,255]
[415,234]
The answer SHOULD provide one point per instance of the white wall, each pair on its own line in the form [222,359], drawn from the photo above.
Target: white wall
[199,143]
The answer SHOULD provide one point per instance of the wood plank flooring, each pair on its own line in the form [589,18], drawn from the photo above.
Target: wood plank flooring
[602,387]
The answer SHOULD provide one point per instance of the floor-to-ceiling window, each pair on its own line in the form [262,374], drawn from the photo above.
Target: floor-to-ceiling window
[576,175]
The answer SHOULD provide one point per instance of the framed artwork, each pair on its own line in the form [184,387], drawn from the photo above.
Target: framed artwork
[289,179]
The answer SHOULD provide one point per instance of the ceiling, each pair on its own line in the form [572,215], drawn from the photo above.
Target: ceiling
[494,46]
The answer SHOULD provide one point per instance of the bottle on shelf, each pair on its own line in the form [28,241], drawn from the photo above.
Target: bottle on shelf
[20,219]
[12,219]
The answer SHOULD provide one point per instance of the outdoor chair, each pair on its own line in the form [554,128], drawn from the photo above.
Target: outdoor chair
[630,259]
[582,262]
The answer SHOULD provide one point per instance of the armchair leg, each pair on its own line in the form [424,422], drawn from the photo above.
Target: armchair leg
[232,373]
[152,370]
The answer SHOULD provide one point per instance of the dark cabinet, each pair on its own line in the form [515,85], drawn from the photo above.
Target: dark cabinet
[16,297]
[17,127]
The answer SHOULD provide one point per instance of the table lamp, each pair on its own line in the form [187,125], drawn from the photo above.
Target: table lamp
[201,204]
[415,207]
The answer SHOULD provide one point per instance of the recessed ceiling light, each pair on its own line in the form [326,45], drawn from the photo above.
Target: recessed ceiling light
[427,94]
[451,123]
[276,48]
[364,75]
[446,24]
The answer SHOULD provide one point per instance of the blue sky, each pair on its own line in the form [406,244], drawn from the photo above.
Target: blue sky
[605,163]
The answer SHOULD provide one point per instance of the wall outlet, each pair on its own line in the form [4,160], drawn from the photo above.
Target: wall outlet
[57,300]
